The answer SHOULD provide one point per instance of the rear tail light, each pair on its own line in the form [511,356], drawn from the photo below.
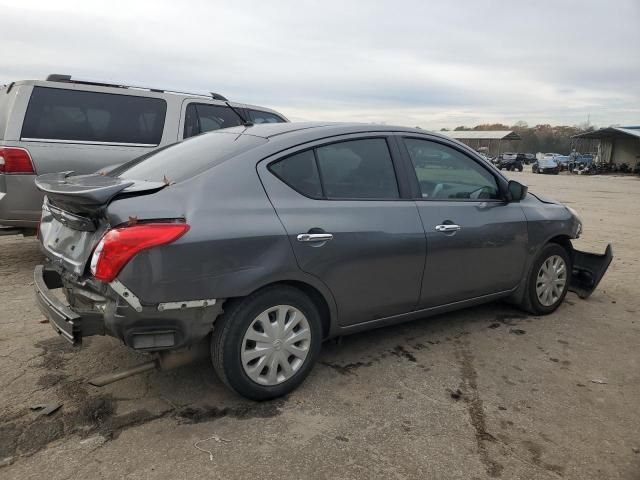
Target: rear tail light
[15,161]
[120,245]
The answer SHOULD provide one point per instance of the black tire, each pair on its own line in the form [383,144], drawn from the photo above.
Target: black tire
[531,303]
[520,168]
[229,331]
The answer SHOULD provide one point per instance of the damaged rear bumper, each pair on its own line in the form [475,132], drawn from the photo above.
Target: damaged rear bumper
[588,270]
[166,326]
[68,324]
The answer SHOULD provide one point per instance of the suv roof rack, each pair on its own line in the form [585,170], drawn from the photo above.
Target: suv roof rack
[56,77]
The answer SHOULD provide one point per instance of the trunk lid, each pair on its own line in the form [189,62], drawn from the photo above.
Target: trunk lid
[73,214]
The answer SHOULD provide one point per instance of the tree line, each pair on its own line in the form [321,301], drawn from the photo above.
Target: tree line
[540,138]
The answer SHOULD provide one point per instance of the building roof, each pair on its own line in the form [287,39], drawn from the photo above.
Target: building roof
[611,132]
[482,135]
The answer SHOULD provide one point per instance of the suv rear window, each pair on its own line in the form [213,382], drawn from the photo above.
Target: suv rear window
[188,158]
[91,117]
[258,116]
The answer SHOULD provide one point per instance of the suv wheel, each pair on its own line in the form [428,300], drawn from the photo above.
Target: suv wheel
[266,344]
[549,280]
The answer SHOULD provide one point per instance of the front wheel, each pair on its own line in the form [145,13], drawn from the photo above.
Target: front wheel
[549,280]
[265,345]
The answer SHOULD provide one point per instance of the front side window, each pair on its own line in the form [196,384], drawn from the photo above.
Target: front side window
[257,116]
[82,116]
[201,118]
[447,174]
[357,169]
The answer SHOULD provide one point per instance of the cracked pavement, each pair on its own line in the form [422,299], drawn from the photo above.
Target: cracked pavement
[487,392]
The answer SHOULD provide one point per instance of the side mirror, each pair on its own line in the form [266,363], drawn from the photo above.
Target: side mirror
[517,191]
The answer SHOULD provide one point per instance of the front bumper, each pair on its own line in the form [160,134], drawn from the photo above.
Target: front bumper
[68,324]
[588,270]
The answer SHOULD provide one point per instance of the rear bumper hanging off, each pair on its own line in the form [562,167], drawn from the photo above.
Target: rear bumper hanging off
[67,323]
[588,270]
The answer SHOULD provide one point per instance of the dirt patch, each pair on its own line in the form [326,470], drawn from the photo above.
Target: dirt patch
[242,412]
[400,351]
[469,386]
[349,368]
[32,432]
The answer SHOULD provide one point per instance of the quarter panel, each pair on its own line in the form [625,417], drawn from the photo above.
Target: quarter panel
[235,245]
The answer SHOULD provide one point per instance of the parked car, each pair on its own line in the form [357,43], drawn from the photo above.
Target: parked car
[66,124]
[546,165]
[526,158]
[509,161]
[562,161]
[267,240]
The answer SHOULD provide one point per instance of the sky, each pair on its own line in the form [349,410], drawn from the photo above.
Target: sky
[413,63]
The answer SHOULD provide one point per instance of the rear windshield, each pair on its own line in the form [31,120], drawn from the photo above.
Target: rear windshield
[81,116]
[188,158]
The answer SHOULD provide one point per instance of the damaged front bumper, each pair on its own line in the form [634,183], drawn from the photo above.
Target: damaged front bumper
[588,270]
[140,326]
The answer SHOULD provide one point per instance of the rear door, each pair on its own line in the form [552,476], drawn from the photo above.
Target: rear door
[351,223]
[476,241]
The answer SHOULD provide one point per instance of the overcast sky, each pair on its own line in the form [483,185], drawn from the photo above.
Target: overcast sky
[432,64]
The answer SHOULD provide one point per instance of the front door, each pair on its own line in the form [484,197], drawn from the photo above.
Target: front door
[476,241]
[348,224]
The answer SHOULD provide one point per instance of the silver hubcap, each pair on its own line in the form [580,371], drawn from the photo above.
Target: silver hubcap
[275,345]
[552,277]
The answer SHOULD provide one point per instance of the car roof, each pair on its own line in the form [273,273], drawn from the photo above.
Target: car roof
[271,130]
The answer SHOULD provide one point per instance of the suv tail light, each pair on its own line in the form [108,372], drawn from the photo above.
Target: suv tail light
[15,161]
[120,245]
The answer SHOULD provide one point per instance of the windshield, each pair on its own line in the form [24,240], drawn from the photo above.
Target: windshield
[188,158]
[548,162]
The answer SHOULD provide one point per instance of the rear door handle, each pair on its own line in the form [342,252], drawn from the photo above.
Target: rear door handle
[314,237]
[448,228]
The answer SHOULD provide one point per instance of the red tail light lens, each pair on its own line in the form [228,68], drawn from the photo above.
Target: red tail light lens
[120,245]
[15,161]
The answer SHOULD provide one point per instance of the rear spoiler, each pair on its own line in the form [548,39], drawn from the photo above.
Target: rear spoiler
[588,270]
[87,191]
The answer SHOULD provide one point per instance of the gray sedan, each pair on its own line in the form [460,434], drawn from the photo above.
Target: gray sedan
[267,240]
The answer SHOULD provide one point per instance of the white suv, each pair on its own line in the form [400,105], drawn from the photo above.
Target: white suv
[67,124]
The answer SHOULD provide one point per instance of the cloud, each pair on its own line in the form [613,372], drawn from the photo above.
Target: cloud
[406,62]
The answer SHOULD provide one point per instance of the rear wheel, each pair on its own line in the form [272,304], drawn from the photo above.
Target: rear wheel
[549,280]
[266,344]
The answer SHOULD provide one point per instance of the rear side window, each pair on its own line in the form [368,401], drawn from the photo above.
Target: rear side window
[355,169]
[81,116]
[300,172]
[258,116]
[201,118]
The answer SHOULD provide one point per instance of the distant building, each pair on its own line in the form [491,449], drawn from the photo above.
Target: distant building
[612,145]
[492,142]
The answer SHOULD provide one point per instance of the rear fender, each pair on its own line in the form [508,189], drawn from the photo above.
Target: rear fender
[588,270]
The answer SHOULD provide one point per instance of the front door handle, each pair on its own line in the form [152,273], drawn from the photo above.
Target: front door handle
[448,228]
[314,237]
